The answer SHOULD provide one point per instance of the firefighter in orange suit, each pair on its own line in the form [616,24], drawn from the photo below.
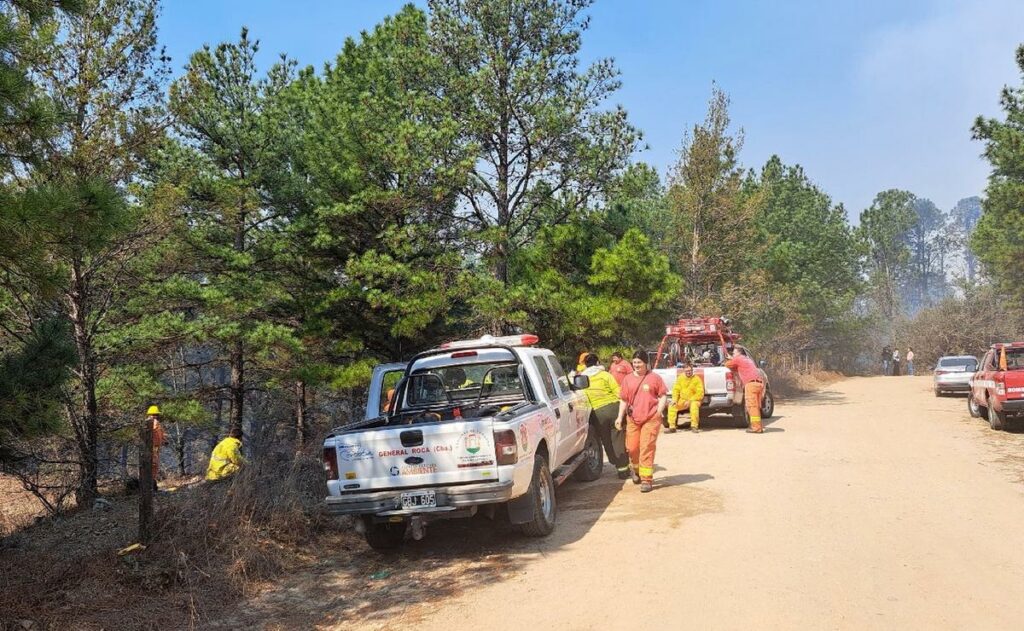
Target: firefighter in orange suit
[159,436]
[642,403]
[687,394]
[753,387]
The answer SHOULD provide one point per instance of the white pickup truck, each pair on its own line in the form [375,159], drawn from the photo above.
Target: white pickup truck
[470,426]
[702,342]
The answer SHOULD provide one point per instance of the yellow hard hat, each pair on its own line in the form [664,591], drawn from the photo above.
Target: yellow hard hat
[153,410]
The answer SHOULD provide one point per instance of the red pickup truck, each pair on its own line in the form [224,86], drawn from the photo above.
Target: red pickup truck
[997,389]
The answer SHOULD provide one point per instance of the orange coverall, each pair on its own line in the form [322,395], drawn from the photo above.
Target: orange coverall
[158,441]
[643,425]
[753,388]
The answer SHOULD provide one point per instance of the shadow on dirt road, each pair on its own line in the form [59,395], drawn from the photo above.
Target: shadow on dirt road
[354,585]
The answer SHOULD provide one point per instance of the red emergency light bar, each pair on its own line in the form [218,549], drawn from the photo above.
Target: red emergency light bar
[527,339]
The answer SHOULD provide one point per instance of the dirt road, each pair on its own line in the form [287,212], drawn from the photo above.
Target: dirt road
[871,504]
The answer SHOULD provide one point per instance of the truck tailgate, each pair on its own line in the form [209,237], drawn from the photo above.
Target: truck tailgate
[714,379]
[416,455]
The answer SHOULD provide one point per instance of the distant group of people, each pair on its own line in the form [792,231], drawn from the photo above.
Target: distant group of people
[629,401]
[891,361]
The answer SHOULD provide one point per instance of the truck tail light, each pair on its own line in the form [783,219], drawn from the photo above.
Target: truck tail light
[730,385]
[331,463]
[505,449]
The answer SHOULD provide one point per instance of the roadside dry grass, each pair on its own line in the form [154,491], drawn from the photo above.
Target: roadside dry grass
[18,508]
[790,383]
[214,544]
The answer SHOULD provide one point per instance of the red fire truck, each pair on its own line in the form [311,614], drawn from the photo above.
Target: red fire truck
[997,389]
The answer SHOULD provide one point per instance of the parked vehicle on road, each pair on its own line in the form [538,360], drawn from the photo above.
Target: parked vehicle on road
[997,389]
[705,343]
[471,426]
[953,374]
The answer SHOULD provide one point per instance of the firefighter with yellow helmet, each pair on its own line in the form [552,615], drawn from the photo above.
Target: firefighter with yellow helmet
[153,417]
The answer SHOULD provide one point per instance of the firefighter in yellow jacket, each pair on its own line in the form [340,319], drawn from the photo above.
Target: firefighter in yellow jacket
[226,459]
[686,394]
[603,395]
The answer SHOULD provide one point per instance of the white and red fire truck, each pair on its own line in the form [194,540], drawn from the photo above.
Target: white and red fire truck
[707,343]
[997,389]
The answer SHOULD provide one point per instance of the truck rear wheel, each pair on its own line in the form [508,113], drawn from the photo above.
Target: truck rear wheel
[767,404]
[384,535]
[996,419]
[739,416]
[593,458]
[542,490]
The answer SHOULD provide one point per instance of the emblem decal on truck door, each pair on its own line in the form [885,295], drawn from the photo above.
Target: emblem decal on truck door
[351,453]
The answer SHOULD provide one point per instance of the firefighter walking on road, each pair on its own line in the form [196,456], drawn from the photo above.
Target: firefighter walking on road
[687,394]
[753,387]
[642,403]
[603,394]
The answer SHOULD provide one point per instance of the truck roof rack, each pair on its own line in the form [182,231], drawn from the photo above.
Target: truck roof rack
[701,330]
[698,331]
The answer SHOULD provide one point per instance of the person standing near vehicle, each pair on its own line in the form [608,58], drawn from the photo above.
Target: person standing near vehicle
[642,403]
[580,366]
[886,354]
[687,394]
[753,387]
[895,362]
[603,395]
[619,368]
[910,361]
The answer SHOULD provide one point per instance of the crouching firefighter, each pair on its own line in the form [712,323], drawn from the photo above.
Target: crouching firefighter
[603,394]
[687,394]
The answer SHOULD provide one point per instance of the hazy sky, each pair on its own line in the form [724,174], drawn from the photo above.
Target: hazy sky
[865,95]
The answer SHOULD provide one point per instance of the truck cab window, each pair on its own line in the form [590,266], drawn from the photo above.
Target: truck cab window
[560,378]
[387,390]
[545,376]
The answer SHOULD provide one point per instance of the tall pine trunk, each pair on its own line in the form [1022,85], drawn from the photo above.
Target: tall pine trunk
[237,387]
[85,420]
[301,425]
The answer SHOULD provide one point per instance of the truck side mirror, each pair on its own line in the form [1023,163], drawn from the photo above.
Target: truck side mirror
[580,382]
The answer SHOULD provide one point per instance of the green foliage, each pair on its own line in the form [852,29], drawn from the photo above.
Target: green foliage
[69,230]
[544,148]
[998,239]
[382,157]
[714,241]
[578,286]
[812,259]
[883,229]
[31,377]
[637,200]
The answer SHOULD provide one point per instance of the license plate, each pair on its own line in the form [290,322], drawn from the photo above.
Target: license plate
[419,499]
